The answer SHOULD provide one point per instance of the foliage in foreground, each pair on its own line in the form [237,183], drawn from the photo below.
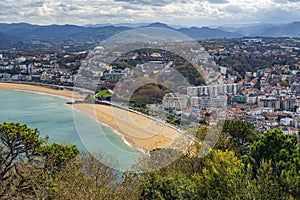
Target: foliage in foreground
[245,165]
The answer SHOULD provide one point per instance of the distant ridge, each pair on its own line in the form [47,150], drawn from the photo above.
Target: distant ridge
[7,41]
[59,33]
[20,32]
[208,33]
[285,30]
[159,25]
[268,30]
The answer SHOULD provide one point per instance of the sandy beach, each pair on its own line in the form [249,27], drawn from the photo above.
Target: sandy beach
[64,93]
[140,131]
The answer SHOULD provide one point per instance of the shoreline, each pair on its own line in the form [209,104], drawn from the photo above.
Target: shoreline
[114,131]
[66,94]
[69,99]
[137,131]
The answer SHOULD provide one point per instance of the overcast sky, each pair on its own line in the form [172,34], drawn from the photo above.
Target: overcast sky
[174,12]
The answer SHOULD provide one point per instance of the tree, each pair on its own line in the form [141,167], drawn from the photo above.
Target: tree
[159,158]
[56,156]
[172,187]
[235,136]
[273,145]
[28,164]
[223,176]
[94,180]
[18,144]
[241,134]
[265,183]
[283,152]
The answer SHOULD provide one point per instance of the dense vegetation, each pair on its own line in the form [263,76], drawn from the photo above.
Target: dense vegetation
[242,64]
[148,94]
[160,82]
[103,94]
[251,54]
[245,164]
[141,56]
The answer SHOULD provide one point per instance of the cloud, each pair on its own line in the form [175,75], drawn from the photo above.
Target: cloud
[232,9]
[67,7]
[154,3]
[286,1]
[147,2]
[218,1]
[280,14]
[36,4]
[176,12]
[131,7]
[167,2]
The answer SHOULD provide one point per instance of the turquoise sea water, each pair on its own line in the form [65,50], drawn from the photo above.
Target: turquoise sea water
[53,117]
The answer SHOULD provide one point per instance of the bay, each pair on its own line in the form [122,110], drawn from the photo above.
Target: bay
[52,117]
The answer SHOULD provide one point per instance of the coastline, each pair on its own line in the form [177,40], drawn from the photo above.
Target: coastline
[137,131]
[67,94]
[116,132]
[141,132]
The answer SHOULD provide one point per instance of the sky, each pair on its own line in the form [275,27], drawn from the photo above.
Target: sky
[173,12]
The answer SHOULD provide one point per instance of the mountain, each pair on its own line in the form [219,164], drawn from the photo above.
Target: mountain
[248,30]
[285,30]
[159,25]
[267,30]
[129,25]
[22,26]
[7,41]
[97,25]
[207,33]
[97,34]
[45,33]
[21,32]
[75,34]
[60,33]
[199,33]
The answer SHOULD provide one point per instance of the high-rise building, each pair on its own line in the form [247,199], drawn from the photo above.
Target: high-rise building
[213,90]
[268,102]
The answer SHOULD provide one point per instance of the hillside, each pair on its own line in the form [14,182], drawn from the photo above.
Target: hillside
[285,30]
[70,34]
[7,41]
[83,34]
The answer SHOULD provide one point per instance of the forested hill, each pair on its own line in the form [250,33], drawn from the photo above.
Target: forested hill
[244,164]
[83,34]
